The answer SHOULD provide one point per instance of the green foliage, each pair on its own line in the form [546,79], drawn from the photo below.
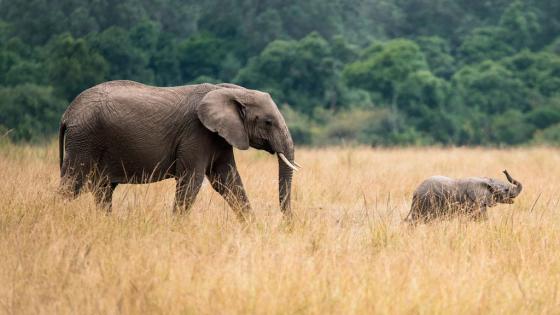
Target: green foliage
[520,24]
[554,47]
[31,112]
[25,71]
[301,127]
[383,68]
[511,128]
[550,135]
[423,98]
[437,17]
[73,65]
[372,126]
[485,43]
[126,60]
[165,63]
[378,72]
[490,88]
[201,54]
[422,88]
[538,71]
[438,55]
[299,73]
[545,115]
[8,60]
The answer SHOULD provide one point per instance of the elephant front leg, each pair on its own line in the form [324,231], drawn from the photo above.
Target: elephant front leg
[481,214]
[225,180]
[186,191]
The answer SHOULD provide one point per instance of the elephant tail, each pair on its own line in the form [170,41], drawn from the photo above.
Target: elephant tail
[61,132]
[408,218]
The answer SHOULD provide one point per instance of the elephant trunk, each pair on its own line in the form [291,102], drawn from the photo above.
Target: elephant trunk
[285,172]
[518,185]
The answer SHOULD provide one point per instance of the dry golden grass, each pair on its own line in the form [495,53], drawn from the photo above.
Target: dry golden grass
[347,253]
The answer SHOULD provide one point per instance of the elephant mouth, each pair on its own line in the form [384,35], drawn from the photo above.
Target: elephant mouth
[262,144]
[267,148]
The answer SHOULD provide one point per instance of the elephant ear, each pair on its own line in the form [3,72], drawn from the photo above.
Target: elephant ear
[480,192]
[221,112]
[489,189]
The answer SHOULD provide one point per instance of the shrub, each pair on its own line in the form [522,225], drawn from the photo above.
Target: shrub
[32,111]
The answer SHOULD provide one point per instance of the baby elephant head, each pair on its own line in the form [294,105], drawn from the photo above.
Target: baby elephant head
[503,192]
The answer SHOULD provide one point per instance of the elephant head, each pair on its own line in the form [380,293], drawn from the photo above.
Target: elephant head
[248,118]
[504,192]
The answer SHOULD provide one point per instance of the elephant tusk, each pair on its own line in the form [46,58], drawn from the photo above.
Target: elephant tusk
[296,164]
[285,160]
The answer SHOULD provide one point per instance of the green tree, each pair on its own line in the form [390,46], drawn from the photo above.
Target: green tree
[436,17]
[72,65]
[127,61]
[546,114]
[422,88]
[511,128]
[538,71]
[467,69]
[25,72]
[491,88]
[485,43]
[17,61]
[34,21]
[520,25]
[8,60]
[201,55]
[296,72]
[81,21]
[438,55]
[32,112]
[383,68]
[165,62]
[554,47]
[145,36]
[423,98]
[550,135]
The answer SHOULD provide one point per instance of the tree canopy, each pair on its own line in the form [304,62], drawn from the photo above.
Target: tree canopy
[379,72]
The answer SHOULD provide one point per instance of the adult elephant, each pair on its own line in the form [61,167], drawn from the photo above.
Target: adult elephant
[127,132]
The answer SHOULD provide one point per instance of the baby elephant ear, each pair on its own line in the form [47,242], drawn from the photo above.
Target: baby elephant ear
[489,187]
[221,112]
[483,193]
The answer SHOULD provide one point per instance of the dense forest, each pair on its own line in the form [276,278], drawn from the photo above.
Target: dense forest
[378,72]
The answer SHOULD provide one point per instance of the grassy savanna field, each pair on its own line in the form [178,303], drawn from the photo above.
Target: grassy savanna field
[347,252]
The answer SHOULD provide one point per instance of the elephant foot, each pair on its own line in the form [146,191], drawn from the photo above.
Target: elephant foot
[180,209]
[246,217]
[70,187]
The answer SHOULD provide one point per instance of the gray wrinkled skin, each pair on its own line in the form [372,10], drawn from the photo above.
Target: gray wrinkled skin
[441,196]
[126,132]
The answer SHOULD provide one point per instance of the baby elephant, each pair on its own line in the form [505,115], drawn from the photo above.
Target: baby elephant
[441,196]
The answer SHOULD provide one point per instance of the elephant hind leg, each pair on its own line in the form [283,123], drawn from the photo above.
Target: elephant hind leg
[419,211]
[76,164]
[413,216]
[480,213]
[103,194]
[425,208]
[71,181]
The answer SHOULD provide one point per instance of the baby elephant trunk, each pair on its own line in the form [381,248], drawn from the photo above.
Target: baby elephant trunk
[517,184]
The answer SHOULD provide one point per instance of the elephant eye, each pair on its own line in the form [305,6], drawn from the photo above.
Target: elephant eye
[268,122]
